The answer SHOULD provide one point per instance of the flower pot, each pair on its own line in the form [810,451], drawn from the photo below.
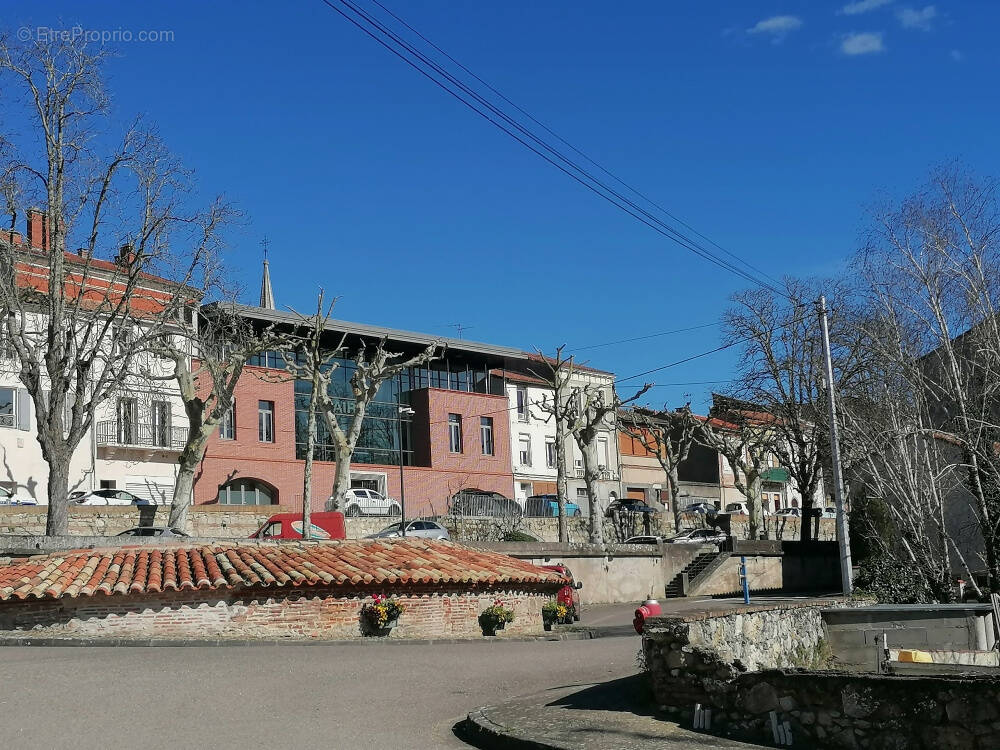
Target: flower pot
[547,624]
[391,623]
[489,631]
[501,625]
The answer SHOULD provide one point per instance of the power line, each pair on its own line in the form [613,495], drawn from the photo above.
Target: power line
[649,336]
[562,140]
[421,62]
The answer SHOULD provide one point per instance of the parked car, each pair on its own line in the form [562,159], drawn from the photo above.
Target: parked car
[829,512]
[705,508]
[548,506]
[362,502]
[487,504]
[15,498]
[108,497]
[160,531]
[324,525]
[644,539]
[568,595]
[790,513]
[419,529]
[699,536]
[740,509]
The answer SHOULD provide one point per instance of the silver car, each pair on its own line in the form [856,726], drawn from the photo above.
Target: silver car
[419,529]
[153,531]
[698,536]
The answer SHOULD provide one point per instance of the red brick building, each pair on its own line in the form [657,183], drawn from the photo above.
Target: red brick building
[456,439]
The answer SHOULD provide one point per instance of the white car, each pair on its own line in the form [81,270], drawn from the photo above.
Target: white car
[829,513]
[361,502]
[15,498]
[790,512]
[418,529]
[108,497]
[740,509]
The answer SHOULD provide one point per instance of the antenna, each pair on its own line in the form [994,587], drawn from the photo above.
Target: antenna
[460,327]
[265,243]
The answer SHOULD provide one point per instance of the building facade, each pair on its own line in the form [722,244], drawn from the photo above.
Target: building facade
[456,439]
[533,437]
[136,434]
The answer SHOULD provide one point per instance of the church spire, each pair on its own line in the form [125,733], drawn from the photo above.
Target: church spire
[266,293]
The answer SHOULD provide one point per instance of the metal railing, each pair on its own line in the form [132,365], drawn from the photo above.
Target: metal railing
[143,434]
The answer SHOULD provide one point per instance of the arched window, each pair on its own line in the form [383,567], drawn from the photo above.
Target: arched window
[247,492]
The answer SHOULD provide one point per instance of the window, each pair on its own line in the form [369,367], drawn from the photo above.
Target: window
[265,421]
[128,416]
[486,434]
[602,453]
[246,492]
[581,493]
[108,484]
[455,433]
[7,399]
[227,428]
[524,450]
[550,453]
[522,404]
[161,423]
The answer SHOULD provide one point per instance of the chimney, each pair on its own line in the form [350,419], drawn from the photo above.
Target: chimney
[14,238]
[126,256]
[38,234]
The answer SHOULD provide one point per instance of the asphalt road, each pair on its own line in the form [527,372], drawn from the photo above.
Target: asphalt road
[331,695]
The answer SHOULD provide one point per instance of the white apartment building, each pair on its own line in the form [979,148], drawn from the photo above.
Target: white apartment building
[533,443]
[138,431]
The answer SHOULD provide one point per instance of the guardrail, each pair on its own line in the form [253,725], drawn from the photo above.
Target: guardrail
[141,434]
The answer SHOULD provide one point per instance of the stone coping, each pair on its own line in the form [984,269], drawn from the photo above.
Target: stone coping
[966,607]
[725,610]
[557,549]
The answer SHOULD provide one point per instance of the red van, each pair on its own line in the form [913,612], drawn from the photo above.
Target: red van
[325,525]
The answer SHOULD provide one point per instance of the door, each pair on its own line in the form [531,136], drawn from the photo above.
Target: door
[161,424]
[128,418]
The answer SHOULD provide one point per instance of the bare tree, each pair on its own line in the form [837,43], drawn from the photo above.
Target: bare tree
[77,323]
[668,436]
[373,366]
[557,372]
[589,407]
[929,272]
[207,362]
[309,361]
[745,445]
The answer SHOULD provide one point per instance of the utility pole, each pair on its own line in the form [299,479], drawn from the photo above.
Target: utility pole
[838,482]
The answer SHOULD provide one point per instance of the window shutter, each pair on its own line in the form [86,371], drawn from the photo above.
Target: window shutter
[23,410]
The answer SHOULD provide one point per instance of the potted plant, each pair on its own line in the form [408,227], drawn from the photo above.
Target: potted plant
[381,615]
[552,612]
[568,615]
[495,617]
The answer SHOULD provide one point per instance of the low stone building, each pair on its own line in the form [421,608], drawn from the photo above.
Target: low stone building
[272,590]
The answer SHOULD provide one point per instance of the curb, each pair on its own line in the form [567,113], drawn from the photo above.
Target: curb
[479,730]
[575,635]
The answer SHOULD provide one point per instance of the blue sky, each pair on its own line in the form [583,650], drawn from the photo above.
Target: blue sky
[767,126]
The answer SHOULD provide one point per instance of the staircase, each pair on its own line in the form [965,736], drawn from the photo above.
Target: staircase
[703,564]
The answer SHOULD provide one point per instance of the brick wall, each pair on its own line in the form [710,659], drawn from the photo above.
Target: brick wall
[430,612]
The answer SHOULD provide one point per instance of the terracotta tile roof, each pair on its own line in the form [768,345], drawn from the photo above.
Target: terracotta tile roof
[233,565]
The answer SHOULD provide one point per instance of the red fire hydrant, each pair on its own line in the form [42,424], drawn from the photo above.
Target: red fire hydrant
[649,608]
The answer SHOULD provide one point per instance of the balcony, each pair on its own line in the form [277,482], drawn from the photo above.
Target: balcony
[142,435]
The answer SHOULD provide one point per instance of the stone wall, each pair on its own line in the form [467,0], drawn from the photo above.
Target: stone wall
[747,666]
[431,612]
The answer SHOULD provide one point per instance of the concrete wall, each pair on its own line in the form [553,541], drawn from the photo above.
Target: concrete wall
[612,574]
[763,574]
[855,635]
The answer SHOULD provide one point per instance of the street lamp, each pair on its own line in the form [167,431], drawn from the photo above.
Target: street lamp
[404,411]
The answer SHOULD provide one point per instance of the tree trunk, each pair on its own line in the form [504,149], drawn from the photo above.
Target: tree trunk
[341,478]
[753,507]
[562,483]
[57,521]
[675,492]
[307,472]
[183,495]
[590,480]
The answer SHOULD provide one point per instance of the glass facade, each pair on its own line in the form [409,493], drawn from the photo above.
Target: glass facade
[380,441]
